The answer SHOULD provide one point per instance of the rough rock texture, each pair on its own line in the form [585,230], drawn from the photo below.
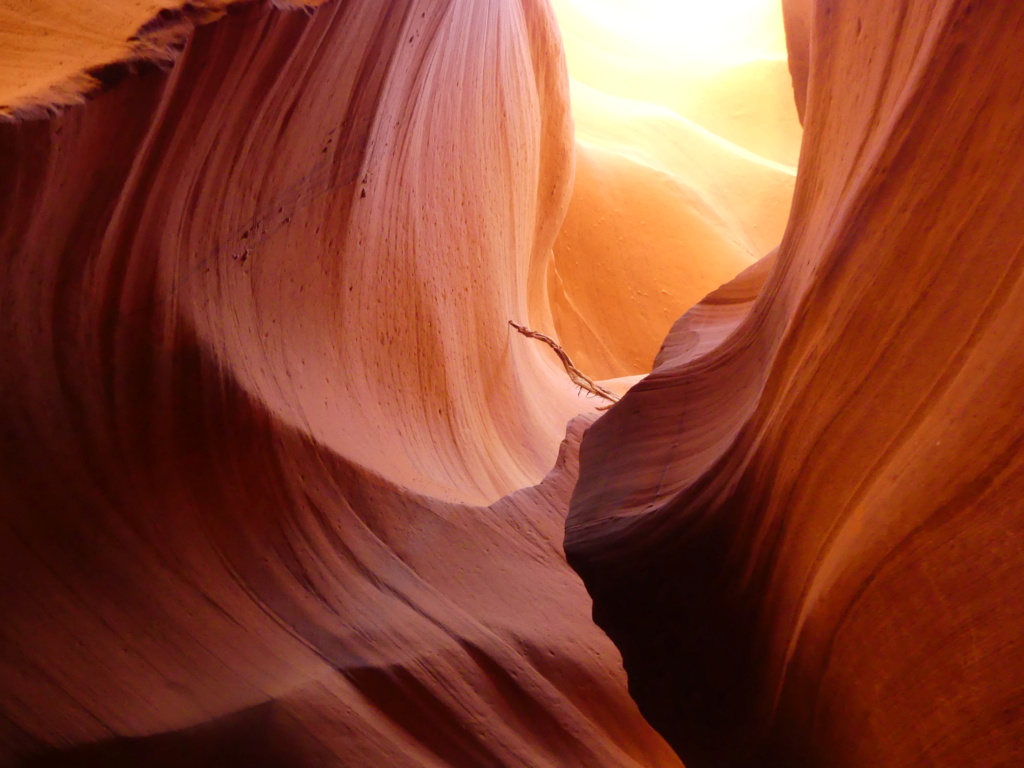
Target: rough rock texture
[267,445]
[804,529]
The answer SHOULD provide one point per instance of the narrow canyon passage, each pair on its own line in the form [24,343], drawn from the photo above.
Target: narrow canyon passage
[279,486]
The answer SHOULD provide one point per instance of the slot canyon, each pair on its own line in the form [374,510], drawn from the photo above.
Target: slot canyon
[281,486]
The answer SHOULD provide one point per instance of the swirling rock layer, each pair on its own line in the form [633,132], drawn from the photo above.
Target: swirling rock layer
[269,459]
[804,529]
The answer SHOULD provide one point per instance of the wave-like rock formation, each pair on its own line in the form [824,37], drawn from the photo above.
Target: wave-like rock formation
[275,474]
[804,529]
[280,487]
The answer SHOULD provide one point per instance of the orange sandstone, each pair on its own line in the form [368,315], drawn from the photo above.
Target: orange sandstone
[687,138]
[804,529]
[276,479]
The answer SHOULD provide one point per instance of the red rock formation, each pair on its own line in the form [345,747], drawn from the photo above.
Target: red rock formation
[797,16]
[804,530]
[267,440]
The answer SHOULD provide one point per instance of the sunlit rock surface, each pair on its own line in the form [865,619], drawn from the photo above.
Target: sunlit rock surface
[278,486]
[687,142]
[804,529]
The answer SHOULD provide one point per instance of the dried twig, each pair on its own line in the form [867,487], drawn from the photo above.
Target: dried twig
[579,378]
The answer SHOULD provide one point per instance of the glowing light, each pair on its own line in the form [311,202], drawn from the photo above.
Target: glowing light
[707,34]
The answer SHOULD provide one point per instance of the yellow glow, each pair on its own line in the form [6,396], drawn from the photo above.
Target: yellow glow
[687,140]
[718,63]
[706,34]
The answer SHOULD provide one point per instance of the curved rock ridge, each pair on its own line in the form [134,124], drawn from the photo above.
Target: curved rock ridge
[803,530]
[248,171]
[275,476]
[685,167]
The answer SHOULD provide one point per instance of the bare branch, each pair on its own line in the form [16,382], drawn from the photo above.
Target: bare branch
[579,378]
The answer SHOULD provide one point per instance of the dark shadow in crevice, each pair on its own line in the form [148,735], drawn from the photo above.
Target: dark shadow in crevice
[246,739]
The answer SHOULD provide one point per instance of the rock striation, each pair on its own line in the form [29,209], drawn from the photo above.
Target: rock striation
[279,486]
[276,480]
[803,530]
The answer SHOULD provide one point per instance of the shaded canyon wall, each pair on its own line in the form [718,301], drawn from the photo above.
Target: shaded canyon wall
[804,529]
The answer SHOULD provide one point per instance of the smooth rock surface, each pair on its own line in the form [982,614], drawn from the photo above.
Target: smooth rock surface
[804,529]
[278,484]
[687,140]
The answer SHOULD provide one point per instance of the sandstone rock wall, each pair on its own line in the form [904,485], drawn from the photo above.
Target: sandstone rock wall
[268,445]
[804,529]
